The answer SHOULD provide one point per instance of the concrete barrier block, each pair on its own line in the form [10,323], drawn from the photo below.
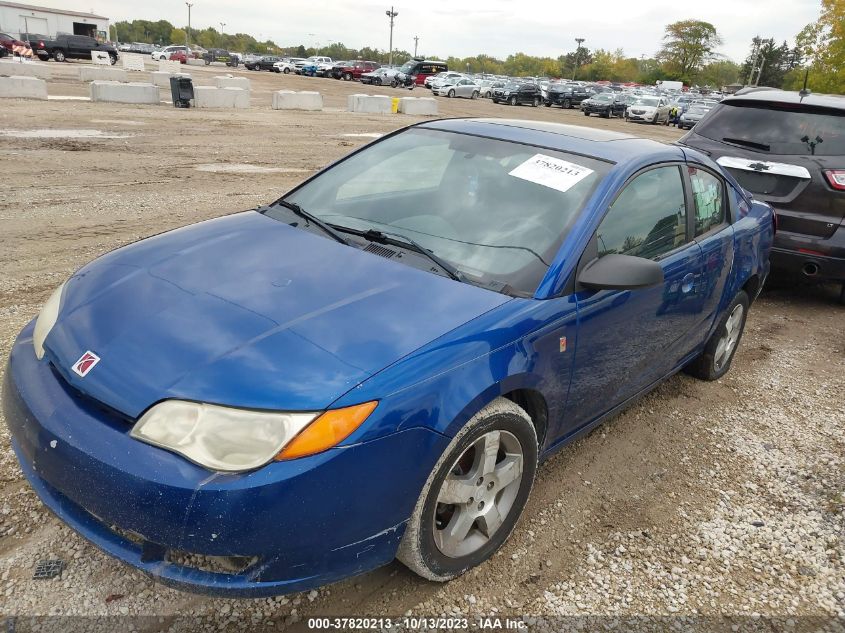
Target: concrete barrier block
[421,106]
[232,82]
[94,73]
[162,78]
[291,100]
[132,62]
[211,97]
[168,66]
[114,92]
[371,104]
[101,57]
[23,88]
[25,69]
[196,62]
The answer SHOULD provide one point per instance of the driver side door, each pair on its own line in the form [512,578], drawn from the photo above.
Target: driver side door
[630,339]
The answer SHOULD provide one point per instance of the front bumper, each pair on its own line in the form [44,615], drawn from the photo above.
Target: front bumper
[647,116]
[303,523]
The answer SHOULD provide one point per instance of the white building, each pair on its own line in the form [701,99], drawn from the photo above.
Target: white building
[19,19]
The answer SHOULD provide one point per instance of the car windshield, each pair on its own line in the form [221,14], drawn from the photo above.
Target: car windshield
[698,110]
[603,97]
[647,101]
[408,67]
[792,129]
[476,203]
[512,86]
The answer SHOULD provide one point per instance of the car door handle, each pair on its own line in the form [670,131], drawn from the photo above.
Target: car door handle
[687,283]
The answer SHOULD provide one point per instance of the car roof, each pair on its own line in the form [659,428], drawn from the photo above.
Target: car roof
[606,145]
[787,96]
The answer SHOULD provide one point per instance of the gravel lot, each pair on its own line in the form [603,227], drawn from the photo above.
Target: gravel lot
[703,501]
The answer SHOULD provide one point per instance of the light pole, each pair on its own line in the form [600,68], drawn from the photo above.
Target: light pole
[579,40]
[188,32]
[391,14]
[222,39]
[416,43]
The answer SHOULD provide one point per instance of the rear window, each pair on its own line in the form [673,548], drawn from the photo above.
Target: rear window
[791,129]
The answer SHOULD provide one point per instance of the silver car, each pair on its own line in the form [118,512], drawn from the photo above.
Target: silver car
[692,116]
[458,87]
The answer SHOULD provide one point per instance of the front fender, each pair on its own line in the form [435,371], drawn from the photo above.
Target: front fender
[442,385]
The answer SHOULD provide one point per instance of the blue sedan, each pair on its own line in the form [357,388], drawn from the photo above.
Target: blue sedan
[373,366]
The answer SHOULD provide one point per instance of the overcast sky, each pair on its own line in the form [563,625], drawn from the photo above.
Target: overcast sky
[467,27]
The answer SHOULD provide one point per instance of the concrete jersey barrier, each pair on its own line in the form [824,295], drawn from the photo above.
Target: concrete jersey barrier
[23,88]
[25,69]
[95,73]
[211,97]
[370,104]
[232,82]
[114,92]
[292,100]
[420,106]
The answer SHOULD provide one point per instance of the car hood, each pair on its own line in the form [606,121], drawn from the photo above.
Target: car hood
[248,311]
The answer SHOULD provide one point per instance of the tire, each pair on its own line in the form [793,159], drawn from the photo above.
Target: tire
[207,62]
[59,55]
[548,104]
[512,100]
[715,361]
[286,71]
[377,81]
[567,103]
[586,113]
[536,102]
[113,59]
[506,426]
[654,120]
[842,295]
[347,76]
[474,95]
[608,114]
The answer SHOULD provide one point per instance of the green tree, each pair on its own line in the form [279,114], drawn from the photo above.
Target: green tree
[687,46]
[178,36]
[719,73]
[821,46]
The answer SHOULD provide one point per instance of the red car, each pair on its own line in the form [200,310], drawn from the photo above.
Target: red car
[180,56]
[14,46]
[354,70]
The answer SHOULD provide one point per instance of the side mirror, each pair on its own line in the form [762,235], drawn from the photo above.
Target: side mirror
[621,272]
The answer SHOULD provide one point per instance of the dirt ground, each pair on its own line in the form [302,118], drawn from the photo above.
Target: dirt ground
[704,501]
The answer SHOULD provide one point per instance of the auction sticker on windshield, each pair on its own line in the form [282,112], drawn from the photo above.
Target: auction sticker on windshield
[551,172]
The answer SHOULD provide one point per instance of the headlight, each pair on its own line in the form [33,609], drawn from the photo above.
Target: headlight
[235,440]
[46,320]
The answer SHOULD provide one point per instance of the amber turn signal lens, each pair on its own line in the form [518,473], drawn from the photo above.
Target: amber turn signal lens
[328,430]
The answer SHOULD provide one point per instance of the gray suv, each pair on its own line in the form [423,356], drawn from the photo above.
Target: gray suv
[787,149]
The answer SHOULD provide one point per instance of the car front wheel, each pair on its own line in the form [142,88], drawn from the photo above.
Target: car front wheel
[512,101]
[715,361]
[474,495]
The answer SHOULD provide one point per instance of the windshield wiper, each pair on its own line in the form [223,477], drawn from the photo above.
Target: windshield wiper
[738,141]
[374,235]
[308,217]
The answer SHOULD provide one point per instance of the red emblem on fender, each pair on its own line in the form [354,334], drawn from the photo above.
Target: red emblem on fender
[85,364]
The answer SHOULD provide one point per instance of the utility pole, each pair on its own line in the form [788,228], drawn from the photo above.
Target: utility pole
[416,43]
[391,14]
[222,33]
[188,32]
[756,42]
[579,40]
[760,71]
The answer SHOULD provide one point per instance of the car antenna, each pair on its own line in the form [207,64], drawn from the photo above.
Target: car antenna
[804,92]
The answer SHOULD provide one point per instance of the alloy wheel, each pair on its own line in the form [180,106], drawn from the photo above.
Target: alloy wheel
[478,493]
[726,345]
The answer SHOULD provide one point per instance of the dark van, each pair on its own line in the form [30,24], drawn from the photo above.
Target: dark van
[419,69]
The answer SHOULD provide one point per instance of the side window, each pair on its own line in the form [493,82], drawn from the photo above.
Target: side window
[648,219]
[709,195]
[425,69]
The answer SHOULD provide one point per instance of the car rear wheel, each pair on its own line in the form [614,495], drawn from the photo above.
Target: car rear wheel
[474,495]
[286,70]
[512,100]
[536,102]
[715,361]
[59,55]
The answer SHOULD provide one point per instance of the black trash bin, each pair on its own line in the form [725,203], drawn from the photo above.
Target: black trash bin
[182,91]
